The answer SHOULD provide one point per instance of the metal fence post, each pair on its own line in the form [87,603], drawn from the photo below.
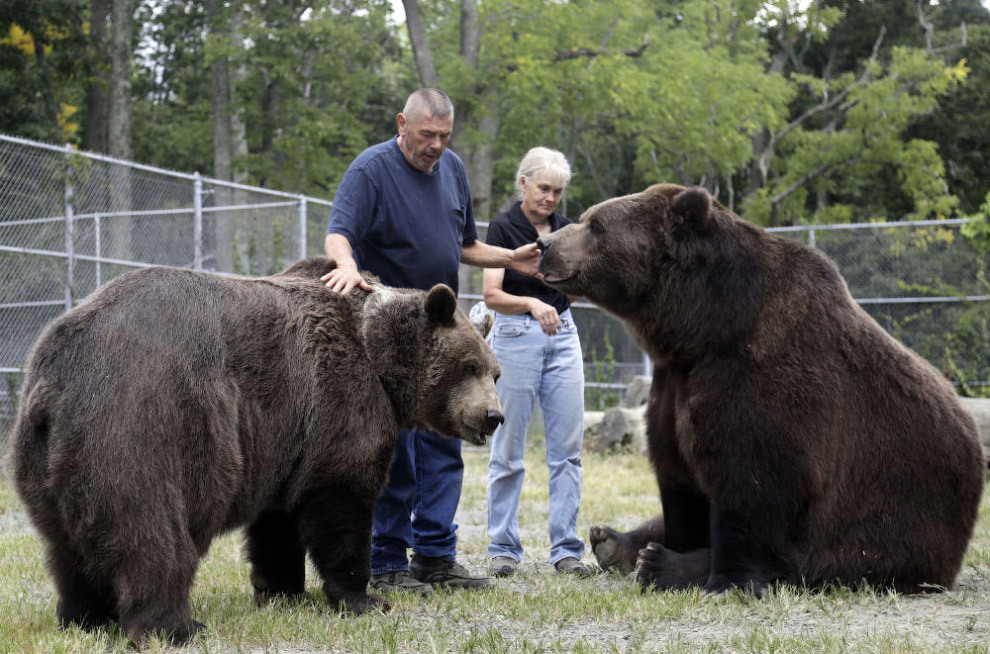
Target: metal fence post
[197,221]
[98,250]
[70,255]
[811,237]
[302,227]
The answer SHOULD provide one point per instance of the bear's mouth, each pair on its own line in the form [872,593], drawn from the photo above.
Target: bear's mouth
[550,279]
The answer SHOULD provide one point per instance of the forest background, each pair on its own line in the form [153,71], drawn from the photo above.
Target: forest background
[791,112]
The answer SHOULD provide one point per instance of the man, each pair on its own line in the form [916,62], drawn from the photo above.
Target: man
[403,211]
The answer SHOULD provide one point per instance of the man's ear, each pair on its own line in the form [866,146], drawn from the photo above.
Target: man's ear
[440,305]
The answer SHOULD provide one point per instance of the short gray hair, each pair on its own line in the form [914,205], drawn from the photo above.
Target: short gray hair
[540,159]
[428,101]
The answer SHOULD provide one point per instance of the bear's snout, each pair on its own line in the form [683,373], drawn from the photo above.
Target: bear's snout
[493,418]
[542,244]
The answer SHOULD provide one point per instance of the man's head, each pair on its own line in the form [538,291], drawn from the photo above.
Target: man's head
[425,126]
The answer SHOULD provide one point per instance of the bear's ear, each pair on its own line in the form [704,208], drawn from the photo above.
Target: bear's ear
[693,206]
[440,305]
[485,324]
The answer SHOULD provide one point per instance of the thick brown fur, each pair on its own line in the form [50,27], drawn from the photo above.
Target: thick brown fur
[174,405]
[793,439]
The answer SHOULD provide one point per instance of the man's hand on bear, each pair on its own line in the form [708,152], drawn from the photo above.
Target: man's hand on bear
[343,278]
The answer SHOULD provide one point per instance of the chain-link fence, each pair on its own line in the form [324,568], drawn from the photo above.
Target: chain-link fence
[70,221]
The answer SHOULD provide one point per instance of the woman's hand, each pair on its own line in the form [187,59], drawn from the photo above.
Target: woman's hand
[547,316]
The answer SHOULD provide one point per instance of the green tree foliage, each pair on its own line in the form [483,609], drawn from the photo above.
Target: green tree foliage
[958,124]
[323,79]
[42,43]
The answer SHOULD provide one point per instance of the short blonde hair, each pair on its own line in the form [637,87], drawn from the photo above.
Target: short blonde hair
[541,159]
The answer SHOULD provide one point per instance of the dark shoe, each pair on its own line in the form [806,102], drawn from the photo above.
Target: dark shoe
[400,580]
[504,566]
[449,574]
[571,566]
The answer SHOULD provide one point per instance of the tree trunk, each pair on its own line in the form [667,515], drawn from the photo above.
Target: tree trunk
[119,128]
[95,124]
[119,134]
[421,51]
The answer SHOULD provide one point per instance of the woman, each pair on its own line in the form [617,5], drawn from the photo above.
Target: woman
[537,346]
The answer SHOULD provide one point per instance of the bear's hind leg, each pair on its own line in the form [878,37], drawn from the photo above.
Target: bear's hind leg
[152,584]
[277,556]
[335,526]
[664,569]
[618,551]
[81,601]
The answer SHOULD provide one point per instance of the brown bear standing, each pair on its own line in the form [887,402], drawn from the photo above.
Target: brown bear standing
[793,439]
[174,405]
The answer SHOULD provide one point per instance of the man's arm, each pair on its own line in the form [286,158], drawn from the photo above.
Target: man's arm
[524,259]
[346,275]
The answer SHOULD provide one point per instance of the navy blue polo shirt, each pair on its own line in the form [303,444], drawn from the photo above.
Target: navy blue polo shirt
[512,230]
[404,225]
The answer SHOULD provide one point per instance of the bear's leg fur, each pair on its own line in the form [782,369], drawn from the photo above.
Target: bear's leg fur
[743,555]
[618,551]
[335,527]
[153,590]
[686,518]
[277,556]
[664,569]
[80,600]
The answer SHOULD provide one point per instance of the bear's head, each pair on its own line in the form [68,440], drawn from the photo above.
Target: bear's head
[435,365]
[459,395]
[670,261]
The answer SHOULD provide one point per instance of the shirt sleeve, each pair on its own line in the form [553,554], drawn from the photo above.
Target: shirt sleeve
[470,228]
[353,206]
[496,234]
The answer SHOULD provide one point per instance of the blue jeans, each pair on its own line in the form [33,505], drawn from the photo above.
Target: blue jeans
[416,509]
[551,369]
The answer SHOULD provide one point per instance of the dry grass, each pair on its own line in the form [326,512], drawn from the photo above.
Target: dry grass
[534,611]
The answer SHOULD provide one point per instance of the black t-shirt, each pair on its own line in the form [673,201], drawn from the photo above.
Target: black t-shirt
[512,230]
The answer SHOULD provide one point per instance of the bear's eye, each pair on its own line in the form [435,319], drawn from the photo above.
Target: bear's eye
[596,228]
[470,370]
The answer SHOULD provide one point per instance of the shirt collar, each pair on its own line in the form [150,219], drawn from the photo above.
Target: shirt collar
[519,219]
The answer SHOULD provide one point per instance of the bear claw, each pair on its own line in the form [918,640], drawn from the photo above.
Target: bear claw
[604,542]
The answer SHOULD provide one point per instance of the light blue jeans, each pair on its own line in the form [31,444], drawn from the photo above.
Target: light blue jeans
[551,369]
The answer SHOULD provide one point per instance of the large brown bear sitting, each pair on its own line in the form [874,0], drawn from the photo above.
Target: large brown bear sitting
[792,438]
[173,405]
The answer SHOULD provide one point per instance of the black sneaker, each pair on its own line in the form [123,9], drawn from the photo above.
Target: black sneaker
[400,580]
[504,566]
[449,574]
[571,566]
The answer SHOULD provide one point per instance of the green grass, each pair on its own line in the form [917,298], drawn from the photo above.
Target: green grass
[534,611]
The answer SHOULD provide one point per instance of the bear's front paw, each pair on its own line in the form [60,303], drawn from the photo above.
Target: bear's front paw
[607,545]
[360,604]
[651,565]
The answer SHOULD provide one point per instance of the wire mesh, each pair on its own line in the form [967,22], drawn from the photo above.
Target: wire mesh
[71,221]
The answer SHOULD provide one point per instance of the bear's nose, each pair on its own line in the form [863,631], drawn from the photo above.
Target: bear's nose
[493,419]
[543,245]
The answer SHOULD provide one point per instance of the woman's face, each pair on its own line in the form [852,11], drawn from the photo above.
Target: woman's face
[541,194]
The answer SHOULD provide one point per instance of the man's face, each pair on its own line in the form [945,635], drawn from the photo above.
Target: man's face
[423,139]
